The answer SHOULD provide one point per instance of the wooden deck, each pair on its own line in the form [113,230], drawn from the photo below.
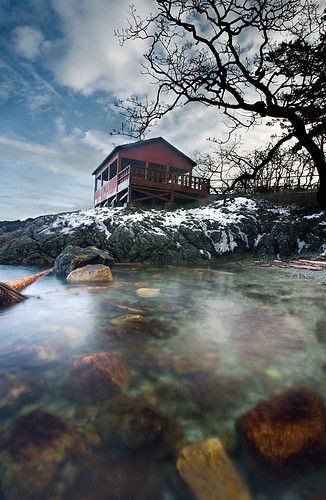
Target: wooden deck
[134,184]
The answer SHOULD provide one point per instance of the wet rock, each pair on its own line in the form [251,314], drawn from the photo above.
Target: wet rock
[162,329]
[128,318]
[90,273]
[286,427]
[209,472]
[129,330]
[105,479]
[134,424]
[195,363]
[73,257]
[97,376]
[34,448]
[148,293]
[320,331]
[17,387]
[219,393]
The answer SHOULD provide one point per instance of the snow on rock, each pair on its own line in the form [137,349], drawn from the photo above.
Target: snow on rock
[235,228]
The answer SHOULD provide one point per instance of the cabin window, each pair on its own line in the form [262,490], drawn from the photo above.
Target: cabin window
[105,175]
[129,161]
[178,171]
[113,169]
[97,183]
[157,166]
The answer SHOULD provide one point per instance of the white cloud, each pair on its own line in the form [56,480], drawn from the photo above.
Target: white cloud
[28,41]
[89,57]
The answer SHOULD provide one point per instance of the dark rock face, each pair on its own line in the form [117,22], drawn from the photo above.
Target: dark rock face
[73,257]
[286,428]
[198,237]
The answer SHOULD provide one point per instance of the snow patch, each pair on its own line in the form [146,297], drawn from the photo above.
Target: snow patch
[301,245]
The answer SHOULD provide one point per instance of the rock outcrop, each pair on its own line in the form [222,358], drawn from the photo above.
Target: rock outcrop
[74,257]
[236,229]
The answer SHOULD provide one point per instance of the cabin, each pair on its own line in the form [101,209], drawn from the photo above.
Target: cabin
[150,172]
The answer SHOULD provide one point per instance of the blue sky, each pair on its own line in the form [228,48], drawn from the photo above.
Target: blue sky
[61,70]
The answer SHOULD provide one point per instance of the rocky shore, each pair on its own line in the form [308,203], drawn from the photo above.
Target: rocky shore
[238,228]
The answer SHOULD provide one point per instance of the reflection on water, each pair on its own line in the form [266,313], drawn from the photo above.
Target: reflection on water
[101,386]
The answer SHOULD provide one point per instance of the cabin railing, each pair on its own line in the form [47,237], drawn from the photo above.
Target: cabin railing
[162,177]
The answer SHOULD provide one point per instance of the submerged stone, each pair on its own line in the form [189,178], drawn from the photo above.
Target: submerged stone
[135,424]
[90,273]
[209,472]
[286,427]
[17,387]
[148,293]
[195,363]
[97,376]
[35,447]
[128,318]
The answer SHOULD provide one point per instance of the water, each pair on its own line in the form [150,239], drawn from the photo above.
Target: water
[202,350]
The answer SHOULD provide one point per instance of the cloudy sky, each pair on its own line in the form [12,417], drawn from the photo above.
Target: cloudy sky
[61,70]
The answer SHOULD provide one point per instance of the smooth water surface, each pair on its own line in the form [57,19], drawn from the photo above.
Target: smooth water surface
[201,349]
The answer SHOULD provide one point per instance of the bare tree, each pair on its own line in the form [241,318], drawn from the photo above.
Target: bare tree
[231,169]
[251,59]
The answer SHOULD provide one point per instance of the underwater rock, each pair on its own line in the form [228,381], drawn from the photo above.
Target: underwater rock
[102,478]
[34,448]
[209,472]
[28,356]
[286,427]
[320,331]
[17,387]
[219,393]
[88,273]
[128,318]
[134,424]
[195,363]
[97,376]
[148,293]
[73,257]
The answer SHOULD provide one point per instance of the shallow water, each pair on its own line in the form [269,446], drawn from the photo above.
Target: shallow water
[203,350]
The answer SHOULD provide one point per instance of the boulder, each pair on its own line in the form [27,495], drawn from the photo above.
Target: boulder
[34,448]
[97,376]
[286,427]
[90,273]
[73,257]
[209,472]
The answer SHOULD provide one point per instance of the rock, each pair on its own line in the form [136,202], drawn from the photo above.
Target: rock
[35,447]
[17,387]
[209,472]
[286,427]
[97,376]
[73,257]
[101,478]
[135,424]
[148,293]
[90,273]
[128,318]
[195,363]
[219,393]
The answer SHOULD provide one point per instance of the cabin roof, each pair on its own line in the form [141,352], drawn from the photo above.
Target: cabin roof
[139,144]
